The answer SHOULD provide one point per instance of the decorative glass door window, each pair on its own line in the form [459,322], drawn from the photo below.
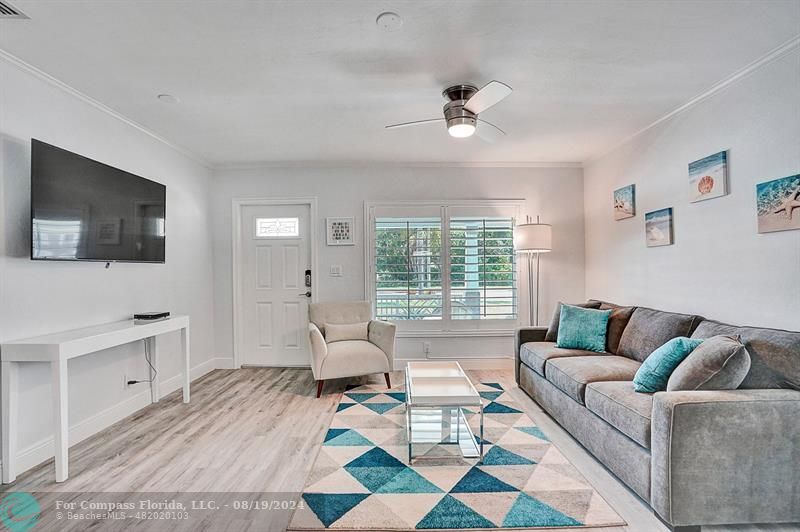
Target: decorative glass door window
[277,227]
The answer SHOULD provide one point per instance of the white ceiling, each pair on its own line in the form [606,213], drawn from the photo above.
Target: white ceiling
[316,81]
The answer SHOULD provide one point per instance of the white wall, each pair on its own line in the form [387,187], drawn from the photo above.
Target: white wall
[554,193]
[40,297]
[719,266]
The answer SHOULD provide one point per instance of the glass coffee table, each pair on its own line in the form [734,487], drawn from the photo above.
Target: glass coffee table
[436,394]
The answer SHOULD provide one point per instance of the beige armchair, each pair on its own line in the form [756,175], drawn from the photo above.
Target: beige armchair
[349,358]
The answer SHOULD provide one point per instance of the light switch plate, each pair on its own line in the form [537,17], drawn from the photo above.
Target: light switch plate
[335,270]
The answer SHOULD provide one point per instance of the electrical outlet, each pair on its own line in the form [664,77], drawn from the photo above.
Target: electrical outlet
[426,348]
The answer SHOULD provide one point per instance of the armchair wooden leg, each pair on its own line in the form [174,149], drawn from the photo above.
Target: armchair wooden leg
[320,383]
[388,381]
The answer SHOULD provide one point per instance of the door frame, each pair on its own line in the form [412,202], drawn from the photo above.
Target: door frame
[238,204]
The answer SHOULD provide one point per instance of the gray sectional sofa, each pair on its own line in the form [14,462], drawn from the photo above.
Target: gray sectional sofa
[697,457]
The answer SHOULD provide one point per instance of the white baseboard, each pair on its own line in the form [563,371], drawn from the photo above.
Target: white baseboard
[44,449]
[224,363]
[466,363]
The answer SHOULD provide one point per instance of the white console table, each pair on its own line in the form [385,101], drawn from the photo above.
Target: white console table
[57,349]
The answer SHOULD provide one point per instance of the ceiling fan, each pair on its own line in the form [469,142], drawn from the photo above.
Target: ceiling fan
[464,104]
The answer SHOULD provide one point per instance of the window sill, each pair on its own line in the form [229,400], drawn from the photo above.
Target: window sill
[498,333]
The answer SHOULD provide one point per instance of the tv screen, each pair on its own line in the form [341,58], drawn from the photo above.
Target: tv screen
[86,210]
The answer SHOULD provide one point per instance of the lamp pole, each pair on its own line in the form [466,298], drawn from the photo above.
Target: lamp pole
[533,238]
[533,281]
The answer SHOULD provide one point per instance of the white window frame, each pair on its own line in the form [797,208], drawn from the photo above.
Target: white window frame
[446,327]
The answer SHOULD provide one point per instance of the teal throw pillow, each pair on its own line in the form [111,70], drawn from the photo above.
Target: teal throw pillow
[582,328]
[652,376]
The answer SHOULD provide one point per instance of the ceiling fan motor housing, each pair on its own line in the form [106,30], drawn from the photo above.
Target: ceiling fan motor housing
[454,111]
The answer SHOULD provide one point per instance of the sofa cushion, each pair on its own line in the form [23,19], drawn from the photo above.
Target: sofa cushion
[719,363]
[583,328]
[552,330]
[535,354]
[649,329]
[620,316]
[628,411]
[572,374]
[774,354]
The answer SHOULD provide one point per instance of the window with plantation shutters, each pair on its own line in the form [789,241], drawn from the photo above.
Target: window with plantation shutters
[408,268]
[444,267]
[482,268]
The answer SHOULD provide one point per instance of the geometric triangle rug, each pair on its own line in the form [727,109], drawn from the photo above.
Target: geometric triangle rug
[361,479]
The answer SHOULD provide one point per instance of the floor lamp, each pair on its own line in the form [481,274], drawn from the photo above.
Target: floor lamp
[533,239]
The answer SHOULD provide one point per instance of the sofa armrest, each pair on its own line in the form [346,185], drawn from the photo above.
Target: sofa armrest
[382,333]
[524,335]
[319,350]
[721,457]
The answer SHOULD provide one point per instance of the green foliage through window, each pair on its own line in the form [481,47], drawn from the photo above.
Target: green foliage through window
[408,268]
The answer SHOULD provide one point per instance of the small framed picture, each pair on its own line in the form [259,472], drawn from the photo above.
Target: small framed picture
[658,228]
[625,202]
[341,231]
[708,177]
[778,204]
[108,231]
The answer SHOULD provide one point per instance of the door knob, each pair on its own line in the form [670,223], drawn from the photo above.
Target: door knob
[307,294]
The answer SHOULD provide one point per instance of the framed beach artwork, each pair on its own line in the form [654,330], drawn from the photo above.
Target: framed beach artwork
[658,227]
[708,177]
[778,204]
[625,202]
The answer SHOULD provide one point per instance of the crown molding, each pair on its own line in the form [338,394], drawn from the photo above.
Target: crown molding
[30,69]
[395,164]
[740,74]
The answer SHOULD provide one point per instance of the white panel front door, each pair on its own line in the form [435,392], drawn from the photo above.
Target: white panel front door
[275,253]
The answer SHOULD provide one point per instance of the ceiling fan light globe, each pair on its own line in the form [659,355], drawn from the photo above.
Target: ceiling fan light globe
[461,131]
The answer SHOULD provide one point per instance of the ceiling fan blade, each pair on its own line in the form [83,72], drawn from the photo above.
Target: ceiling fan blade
[415,123]
[490,94]
[488,131]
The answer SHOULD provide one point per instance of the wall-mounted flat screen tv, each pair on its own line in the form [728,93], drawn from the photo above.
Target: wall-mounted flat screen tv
[86,210]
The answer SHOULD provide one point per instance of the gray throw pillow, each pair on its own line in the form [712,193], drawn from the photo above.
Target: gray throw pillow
[719,363]
[552,331]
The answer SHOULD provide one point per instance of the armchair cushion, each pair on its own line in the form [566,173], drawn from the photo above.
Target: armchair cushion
[346,312]
[353,357]
[336,332]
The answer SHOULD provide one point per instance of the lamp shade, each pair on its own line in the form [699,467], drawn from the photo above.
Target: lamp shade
[533,238]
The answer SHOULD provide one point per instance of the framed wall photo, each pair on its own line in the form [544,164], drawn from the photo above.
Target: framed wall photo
[778,204]
[341,231]
[708,177]
[625,202]
[658,228]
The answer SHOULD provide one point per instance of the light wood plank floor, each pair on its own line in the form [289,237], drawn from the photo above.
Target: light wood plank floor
[257,431]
